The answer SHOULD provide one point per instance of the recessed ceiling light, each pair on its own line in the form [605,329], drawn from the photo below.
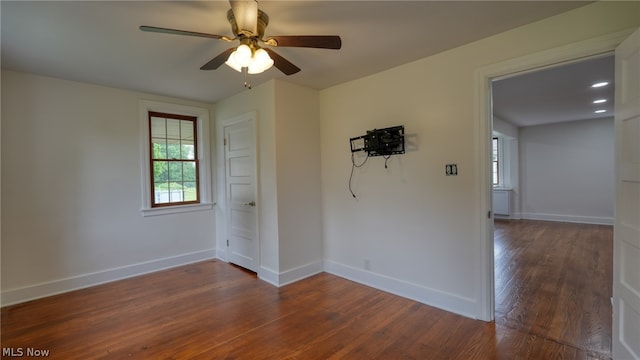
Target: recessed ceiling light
[599,101]
[600,111]
[600,84]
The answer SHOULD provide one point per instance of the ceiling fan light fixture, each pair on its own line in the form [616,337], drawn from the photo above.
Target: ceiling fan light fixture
[261,62]
[243,55]
[255,61]
[232,63]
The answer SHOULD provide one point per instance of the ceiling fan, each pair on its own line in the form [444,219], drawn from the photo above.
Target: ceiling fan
[248,24]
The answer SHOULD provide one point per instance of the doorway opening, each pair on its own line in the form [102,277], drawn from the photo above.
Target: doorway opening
[553,192]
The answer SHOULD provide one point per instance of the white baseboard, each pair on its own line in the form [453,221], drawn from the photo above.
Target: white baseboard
[221,253]
[291,275]
[32,292]
[301,272]
[568,218]
[450,302]
[269,275]
[442,300]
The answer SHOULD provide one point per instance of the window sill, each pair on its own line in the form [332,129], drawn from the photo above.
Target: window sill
[175,209]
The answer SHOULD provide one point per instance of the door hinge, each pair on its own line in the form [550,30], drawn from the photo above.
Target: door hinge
[489,214]
[227,242]
[225,141]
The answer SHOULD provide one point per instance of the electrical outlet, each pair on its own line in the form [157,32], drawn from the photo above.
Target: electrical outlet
[451,169]
[367,264]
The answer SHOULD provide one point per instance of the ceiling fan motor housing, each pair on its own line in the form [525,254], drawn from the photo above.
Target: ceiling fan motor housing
[263,21]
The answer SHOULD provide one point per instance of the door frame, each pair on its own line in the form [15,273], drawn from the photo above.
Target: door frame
[251,118]
[589,48]
[626,299]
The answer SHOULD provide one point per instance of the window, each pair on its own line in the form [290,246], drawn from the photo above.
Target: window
[174,159]
[495,161]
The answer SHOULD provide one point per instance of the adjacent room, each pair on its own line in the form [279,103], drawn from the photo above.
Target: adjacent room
[553,199]
[308,179]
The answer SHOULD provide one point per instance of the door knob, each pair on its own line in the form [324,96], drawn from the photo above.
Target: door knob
[252,203]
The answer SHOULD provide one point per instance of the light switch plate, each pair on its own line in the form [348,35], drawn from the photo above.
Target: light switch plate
[451,169]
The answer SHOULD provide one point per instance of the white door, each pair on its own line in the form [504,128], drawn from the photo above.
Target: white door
[242,236]
[626,243]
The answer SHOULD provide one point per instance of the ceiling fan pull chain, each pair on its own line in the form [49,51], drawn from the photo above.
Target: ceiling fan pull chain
[247,84]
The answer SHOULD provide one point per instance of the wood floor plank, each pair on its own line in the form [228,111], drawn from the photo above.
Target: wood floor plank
[553,283]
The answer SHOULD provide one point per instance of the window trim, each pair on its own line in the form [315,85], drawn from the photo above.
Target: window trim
[203,146]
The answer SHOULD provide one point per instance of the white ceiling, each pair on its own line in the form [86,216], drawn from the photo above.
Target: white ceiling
[557,94]
[99,41]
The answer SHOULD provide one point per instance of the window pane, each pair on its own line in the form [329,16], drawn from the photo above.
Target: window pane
[496,159]
[186,130]
[160,171]
[173,149]
[175,171]
[161,193]
[175,192]
[173,129]
[159,148]
[189,171]
[188,150]
[190,191]
[158,127]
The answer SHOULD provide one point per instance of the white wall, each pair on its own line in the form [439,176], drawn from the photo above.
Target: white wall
[504,128]
[567,171]
[298,172]
[290,227]
[71,191]
[416,226]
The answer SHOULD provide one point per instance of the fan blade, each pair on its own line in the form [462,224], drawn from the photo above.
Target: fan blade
[310,41]
[182,32]
[218,60]
[246,14]
[282,64]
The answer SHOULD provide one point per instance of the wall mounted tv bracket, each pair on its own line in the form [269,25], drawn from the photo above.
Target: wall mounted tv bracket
[380,142]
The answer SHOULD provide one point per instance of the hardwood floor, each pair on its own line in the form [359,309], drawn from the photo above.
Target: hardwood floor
[554,280]
[552,303]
